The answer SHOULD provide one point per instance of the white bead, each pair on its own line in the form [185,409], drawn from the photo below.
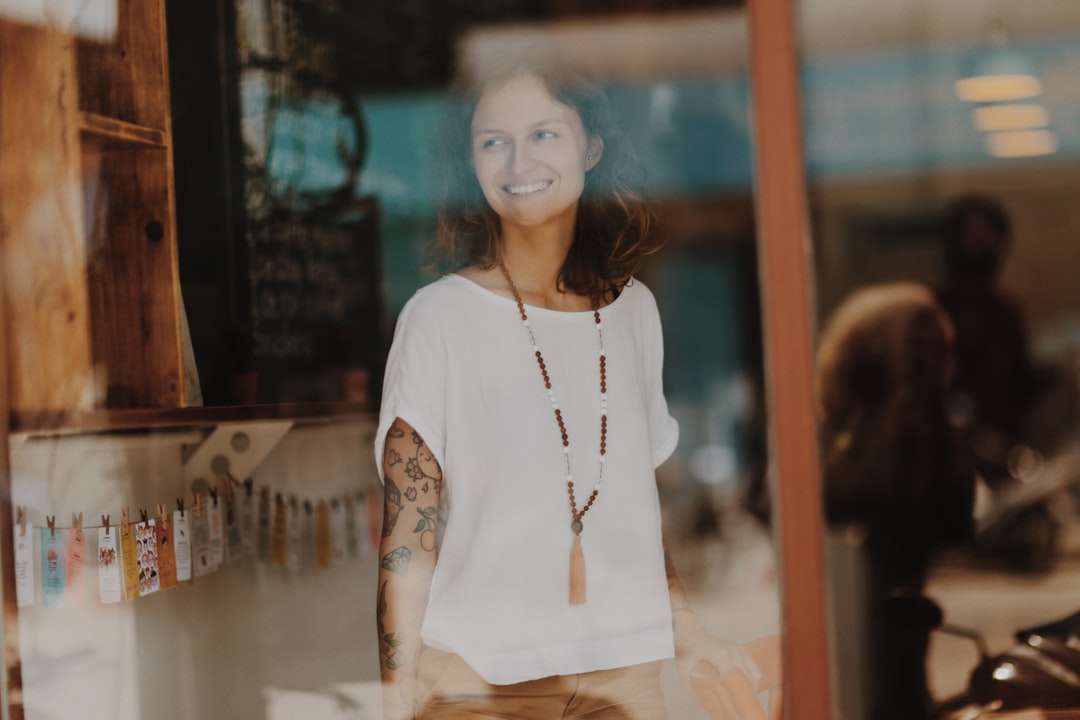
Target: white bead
[566,449]
[602,353]
[536,348]
[569,477]
[596,487]
[603,396]
[599,326]
[554,406]
[603,459]
[525,323]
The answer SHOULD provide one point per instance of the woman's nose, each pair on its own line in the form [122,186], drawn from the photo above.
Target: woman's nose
[522,157]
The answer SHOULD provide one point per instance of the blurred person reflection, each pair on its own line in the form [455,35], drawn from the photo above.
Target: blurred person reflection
[994,385]
[895,469]
[523,571]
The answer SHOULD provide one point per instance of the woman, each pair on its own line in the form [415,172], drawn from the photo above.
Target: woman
[523,570]
[895,467]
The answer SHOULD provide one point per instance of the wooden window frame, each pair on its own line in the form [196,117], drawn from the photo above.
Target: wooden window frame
[786,292]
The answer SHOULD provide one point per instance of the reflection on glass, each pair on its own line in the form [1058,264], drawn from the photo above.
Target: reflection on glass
[233,209]
[945,158]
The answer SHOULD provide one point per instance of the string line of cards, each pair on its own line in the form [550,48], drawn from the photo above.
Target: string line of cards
[152,552]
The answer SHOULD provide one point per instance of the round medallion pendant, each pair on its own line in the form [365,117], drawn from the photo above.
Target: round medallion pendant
[577,527]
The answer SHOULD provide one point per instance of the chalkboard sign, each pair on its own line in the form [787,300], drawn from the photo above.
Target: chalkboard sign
[315,303]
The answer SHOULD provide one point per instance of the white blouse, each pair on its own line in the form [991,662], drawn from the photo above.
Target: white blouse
[463,374]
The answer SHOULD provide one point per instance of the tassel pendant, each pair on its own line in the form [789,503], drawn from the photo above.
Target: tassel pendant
[577,572]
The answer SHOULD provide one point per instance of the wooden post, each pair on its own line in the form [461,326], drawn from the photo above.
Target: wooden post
[785,271]
[42,247]
[12,681]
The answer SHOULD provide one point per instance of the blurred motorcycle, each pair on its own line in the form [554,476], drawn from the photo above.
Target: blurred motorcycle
[1040,674]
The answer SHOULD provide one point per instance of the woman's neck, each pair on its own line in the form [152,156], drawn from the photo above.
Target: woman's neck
[535,258]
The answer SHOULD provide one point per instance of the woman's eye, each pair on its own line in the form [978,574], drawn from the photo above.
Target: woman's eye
[490,143]
[543,134]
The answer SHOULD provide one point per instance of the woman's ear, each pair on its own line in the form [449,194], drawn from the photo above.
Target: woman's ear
[596,149]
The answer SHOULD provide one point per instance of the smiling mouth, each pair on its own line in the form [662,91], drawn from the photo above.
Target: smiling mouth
[530,189]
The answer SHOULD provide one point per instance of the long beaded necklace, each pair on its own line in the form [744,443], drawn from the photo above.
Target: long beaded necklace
[577,557]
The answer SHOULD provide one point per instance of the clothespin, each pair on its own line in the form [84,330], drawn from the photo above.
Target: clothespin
[249,484]
[307,506]
[125,519]
[198,506]
[180,506]
[50,520]
[76,524]
[144,515]
[227,483]
[213,495]
[20,519]
[105,524]
[163,515]
[294,504]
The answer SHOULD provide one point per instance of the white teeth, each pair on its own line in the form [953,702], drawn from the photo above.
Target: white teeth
[527,189]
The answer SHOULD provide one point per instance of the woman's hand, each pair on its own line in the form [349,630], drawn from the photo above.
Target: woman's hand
[695,647]
[723,677]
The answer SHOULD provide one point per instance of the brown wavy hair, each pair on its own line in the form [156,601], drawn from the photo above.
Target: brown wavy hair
[891,456]
[886,351]
[614,223]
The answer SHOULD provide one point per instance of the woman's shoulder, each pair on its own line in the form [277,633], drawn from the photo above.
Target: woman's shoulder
[430,304]
[435,296]
[638,296]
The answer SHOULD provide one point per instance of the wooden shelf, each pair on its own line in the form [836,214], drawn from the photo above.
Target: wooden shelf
[98,421]
[112,132]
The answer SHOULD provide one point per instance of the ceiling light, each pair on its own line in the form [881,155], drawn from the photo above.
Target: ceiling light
[1021,143]
[993,118]
[998,75]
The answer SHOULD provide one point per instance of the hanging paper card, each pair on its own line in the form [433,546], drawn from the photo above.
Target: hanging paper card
[248,522]
[129,561]
[181,546]
[374,519]
[24,566]
[279,552]
[202,554]
[110,589]
[73,573]
[295,540]
[263,531]
[352,546]
[363,526]
[52,567]
[217,533]
[166,555]
[322,536]
[337,532]
[307,559]
[147,555]
[234,543]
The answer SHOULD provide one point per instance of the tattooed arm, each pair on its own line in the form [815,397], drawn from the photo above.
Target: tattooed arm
[412,485]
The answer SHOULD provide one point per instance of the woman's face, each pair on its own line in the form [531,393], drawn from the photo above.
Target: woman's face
[530,153]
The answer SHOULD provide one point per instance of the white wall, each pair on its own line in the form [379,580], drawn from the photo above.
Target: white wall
[231,644]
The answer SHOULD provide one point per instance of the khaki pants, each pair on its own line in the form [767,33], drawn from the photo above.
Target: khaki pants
[448,689]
